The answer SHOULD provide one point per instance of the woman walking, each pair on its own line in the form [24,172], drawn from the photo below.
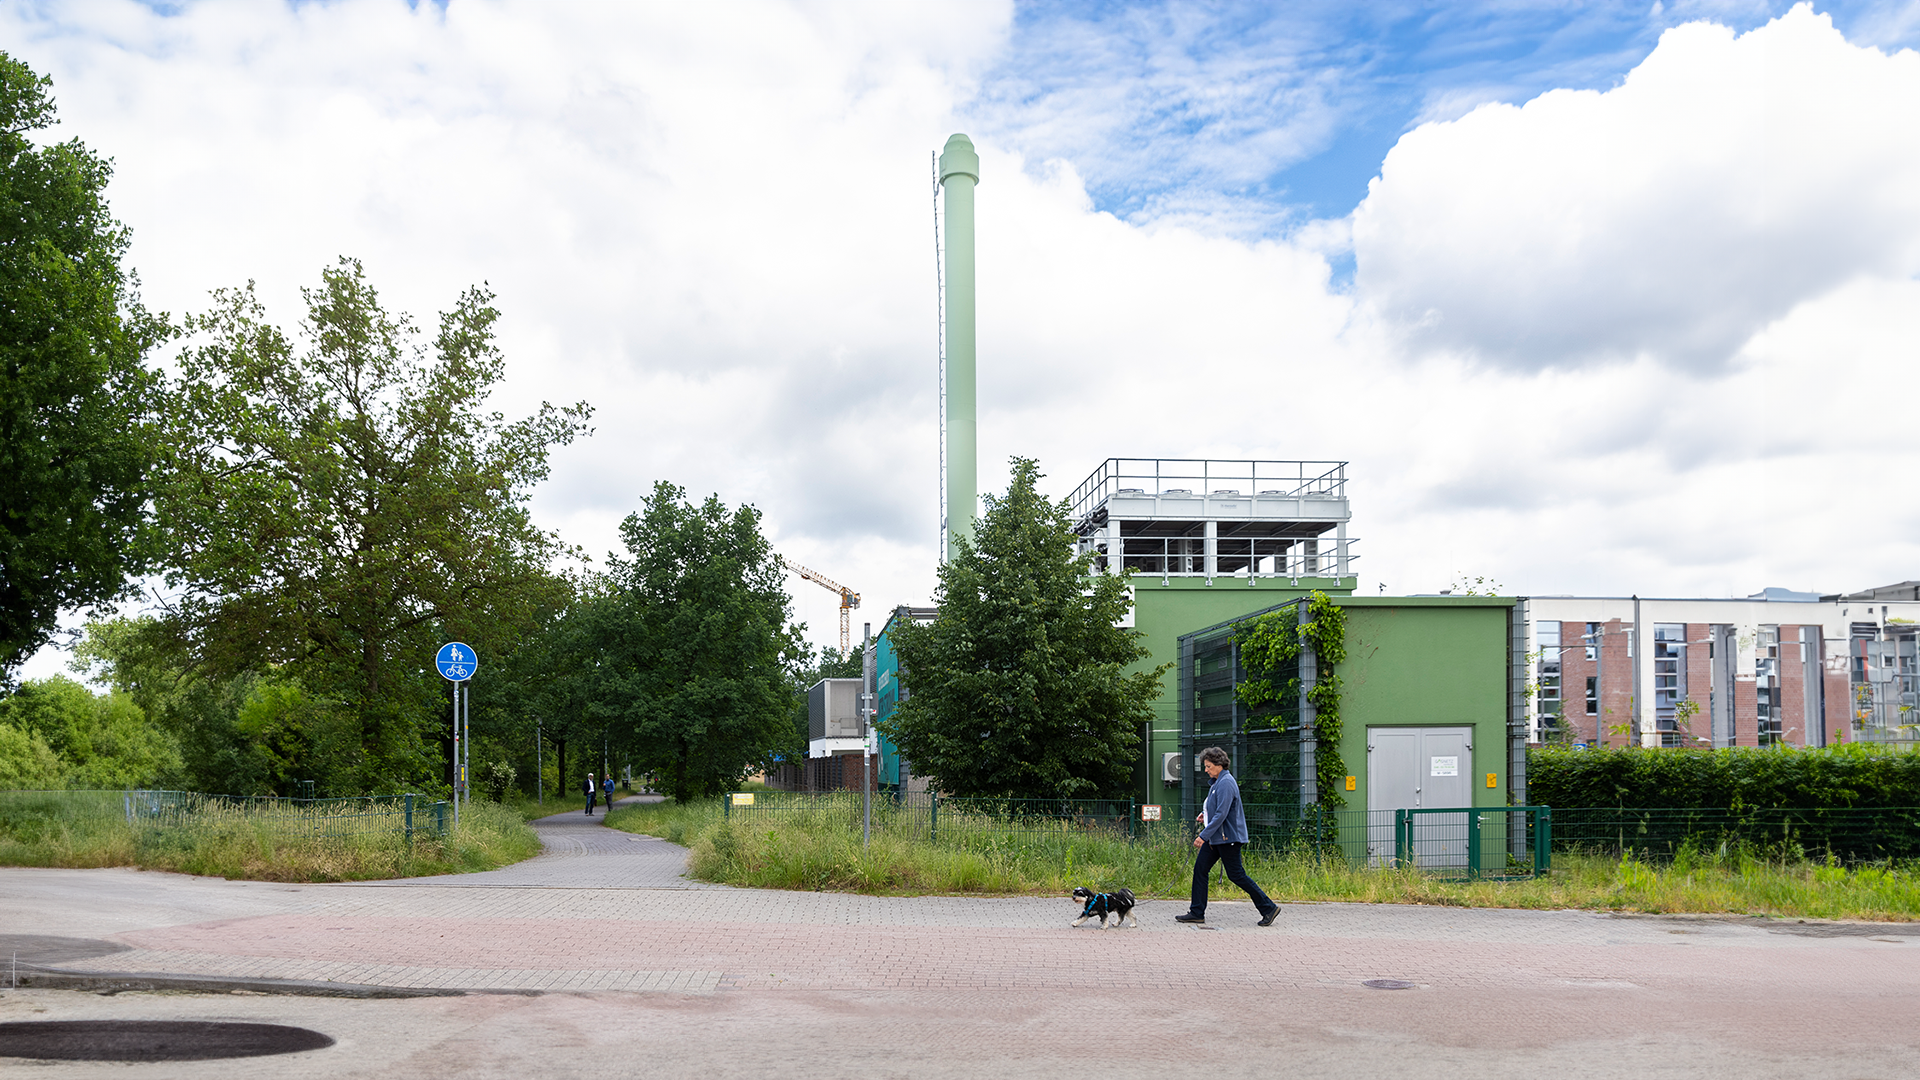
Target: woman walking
[1223,832]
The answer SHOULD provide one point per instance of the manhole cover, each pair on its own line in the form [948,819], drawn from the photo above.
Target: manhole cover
[151,1040]
[1389,984]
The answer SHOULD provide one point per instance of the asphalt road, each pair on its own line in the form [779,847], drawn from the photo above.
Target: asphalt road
[598,957]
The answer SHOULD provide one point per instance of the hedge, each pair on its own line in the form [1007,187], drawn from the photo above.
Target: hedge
[1736,779]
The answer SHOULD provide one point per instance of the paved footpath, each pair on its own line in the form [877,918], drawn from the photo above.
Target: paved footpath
[623,954]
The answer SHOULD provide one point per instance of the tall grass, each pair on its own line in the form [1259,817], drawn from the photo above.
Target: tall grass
[89,829]
[821,852]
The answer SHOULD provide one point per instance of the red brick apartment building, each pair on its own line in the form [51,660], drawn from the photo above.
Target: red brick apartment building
[1776,668]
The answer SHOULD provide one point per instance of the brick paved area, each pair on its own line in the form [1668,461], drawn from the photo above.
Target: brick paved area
[603,909]
[717,981]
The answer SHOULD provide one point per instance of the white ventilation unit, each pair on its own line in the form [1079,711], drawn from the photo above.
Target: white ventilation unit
[1170,768]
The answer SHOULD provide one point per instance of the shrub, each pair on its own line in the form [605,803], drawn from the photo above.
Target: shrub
[1738,778]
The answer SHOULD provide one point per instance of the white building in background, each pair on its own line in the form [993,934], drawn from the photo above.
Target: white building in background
[1776,668]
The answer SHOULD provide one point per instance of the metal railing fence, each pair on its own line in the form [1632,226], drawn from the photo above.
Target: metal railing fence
[947,820]
[1511,841]
[405,816]
[1487,841]
[1845,834]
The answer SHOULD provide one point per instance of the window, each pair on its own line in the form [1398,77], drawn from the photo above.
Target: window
[1593,640]
[1669,679]
[1547,677]
[1593,696]
[1669,664]
[1766,684]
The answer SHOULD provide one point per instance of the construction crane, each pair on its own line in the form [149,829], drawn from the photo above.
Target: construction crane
[848,601]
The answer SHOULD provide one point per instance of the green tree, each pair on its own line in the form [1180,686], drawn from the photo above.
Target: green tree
[1020,685]
[136,656]
[250,733]
[26,761]
[543,686]
[101,741]
[690,644]
[338,504]
[74,393]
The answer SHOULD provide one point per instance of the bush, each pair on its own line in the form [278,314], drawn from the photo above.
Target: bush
[26,761]
[1739,778]
[99,741]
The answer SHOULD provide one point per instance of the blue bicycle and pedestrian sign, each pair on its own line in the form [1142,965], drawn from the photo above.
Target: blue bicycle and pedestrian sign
[456,662]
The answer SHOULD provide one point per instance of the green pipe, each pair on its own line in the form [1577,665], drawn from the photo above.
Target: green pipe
[959,172]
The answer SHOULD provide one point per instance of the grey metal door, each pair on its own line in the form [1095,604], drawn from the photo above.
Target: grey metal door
[1409,768]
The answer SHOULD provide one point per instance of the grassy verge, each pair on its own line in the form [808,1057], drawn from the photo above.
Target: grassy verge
[798,854]
[60,830]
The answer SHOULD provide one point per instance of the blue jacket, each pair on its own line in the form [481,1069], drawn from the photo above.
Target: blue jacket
[1226,820]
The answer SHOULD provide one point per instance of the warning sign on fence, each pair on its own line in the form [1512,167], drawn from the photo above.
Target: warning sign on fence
[1149,812]
[743,798]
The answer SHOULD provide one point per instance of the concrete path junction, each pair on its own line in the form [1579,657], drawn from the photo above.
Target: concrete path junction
[600,950]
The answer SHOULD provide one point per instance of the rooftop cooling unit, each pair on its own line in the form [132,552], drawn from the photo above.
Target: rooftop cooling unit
[1170,768]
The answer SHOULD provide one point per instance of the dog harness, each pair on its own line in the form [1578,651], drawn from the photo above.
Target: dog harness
[1099,904]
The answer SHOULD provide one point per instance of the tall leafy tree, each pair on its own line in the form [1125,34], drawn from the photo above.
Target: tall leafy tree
[693,646]
[74,393]
[1020,685]
[338,502]
[545,687]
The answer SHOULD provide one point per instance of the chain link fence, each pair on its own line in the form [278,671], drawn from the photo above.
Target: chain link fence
[1848,835]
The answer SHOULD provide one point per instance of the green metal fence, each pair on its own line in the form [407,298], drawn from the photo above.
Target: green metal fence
[1510,841]
[1481,842]
[1503,842]
[406,816]
[1846,834]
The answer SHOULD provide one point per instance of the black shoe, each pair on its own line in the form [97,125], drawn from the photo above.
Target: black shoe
[1190,917]
[1267,919]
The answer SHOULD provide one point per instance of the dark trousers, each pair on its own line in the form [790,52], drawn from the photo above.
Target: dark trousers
[589,804]
[1230,855]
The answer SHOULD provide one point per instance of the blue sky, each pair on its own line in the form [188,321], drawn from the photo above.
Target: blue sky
[1285,111]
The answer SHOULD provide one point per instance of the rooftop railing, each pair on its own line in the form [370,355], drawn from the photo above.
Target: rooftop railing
[1209,476]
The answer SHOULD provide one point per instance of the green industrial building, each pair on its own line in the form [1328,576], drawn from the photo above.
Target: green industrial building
[1212,543]
[1431,690]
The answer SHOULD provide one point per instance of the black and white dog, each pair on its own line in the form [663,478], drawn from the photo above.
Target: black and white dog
[1118,903]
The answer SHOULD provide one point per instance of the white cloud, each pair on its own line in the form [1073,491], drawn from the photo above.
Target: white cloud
[714,223]
[710,221]
[1725,181]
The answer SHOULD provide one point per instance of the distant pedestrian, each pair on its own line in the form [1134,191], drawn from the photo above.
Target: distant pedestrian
[1223,832]
[590,794]
[606,783]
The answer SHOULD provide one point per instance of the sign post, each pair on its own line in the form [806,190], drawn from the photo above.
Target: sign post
[457,663]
